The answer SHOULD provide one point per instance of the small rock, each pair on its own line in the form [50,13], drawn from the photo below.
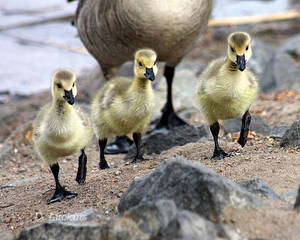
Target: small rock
[278,131]
[179,136]
[291,136]
[191,186]
[258,186]
[257,125]
[117,173]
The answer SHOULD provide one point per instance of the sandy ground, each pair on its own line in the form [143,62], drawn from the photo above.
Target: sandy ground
[26,205]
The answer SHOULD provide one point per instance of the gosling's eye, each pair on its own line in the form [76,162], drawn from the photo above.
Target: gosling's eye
[59,85]
[232,49]
[140,64]
[73,85]
[247,48]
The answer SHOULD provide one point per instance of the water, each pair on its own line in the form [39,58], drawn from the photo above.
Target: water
[27,66]
[238,8]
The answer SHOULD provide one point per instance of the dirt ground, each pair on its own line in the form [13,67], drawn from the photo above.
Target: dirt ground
[25,203]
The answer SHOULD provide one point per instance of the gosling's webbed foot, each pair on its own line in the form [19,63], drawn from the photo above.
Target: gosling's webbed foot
[120,145]
[103,165]
[81,173]
[219,155]
[61,194]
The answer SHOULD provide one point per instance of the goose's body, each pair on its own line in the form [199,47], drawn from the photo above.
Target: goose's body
[113,30]
[62,129]
[123,106]
[227,89]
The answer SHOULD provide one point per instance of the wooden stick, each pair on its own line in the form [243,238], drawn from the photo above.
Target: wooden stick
[70,48]
[286,15]
[67,16]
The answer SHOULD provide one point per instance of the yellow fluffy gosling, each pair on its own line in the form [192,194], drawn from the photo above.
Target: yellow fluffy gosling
[226,89]
[62,129]
[124,106]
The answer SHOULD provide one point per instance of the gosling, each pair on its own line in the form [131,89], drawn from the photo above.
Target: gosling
[123,106]
[62,129]
[226,89]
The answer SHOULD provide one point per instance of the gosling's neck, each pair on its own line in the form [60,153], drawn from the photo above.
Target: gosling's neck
[141,84]
[61,107]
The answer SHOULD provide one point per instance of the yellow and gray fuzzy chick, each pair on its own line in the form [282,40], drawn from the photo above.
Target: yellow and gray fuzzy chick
[226,89]
[61,129]
[123,105]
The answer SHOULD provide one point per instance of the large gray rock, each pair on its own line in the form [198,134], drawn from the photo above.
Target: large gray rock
[179,136]
[191,186]
[292,135]
[261,56]
[257,125]
[275,69]
[159,220]
[62,231]
[7,235]
[258,186]
[279,131]
[292,46]
[279,74]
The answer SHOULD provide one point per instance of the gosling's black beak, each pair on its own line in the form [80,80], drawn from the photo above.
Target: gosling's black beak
[241,62]
[69,97]
[149,74]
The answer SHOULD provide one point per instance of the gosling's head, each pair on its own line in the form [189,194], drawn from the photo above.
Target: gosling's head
[145,64]
[63,86]
[239,49]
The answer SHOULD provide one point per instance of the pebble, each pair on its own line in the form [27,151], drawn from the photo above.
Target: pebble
[117,172]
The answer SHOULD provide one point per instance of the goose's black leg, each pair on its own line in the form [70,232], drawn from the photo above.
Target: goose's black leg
[245,128]
[137,137]
[81,173]
[102,164]
[60,192]
[120,145]
[218,152]
[169,119]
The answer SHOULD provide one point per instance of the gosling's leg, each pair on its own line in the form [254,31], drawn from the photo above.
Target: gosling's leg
[245,128]
[169,119]
[218,152]
[137,137]
[81,173]
[60,192]
[102,164]
[120,145]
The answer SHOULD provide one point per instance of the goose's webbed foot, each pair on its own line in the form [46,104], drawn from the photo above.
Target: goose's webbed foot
[168,120]
[120,145]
